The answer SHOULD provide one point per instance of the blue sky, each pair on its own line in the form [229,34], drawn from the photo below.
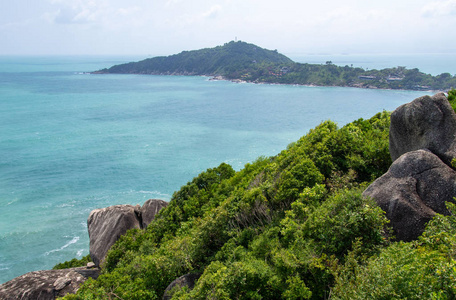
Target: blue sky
[163,27]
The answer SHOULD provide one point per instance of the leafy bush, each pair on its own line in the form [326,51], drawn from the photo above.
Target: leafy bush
[247,279]
[424,269]
[74,263]
[452,98]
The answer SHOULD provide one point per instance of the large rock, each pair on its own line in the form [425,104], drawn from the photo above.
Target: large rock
[149,209]
[106,225]
[44,285]
[187,280]
[425,123]
[414,189]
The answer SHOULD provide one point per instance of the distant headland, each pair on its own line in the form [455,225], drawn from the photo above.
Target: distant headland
[243,62]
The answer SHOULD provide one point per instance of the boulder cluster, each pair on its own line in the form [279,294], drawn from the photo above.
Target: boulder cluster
[422,143]
[105,226]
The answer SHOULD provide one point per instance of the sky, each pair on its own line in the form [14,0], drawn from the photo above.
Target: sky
[164,27]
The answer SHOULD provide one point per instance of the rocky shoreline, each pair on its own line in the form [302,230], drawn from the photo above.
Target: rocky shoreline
[105,227]
[212,77]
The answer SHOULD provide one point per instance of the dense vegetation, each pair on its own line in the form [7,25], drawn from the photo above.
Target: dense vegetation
[293,226]
[247,62]
[227,59]
[74,263]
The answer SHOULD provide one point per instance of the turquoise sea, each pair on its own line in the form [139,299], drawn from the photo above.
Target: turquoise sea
[71,142]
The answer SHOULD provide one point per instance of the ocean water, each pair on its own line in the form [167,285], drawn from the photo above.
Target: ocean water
[71,142]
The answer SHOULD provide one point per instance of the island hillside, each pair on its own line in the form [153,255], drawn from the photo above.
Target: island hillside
[241,61]
[227,60]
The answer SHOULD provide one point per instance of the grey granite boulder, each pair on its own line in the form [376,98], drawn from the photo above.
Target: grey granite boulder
[187,280]
[425,123]
[149,209]
[414,189]
[106,225]
[44,285]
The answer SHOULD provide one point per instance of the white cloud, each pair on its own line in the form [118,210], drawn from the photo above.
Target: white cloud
[101,13]
[169,3]
[189,17]
[440,9]
[77,11]
[169,26]
[128,10]
[12,25]
[212,12]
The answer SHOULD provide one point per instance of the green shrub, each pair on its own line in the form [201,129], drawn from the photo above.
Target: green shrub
[333,226]
[248,278]
[452,98]
[424,269]
[74,263]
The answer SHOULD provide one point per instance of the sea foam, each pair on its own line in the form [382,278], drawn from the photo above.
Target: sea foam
[73,241]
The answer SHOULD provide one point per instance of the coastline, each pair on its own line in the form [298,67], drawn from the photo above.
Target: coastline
[222,78]
[212,77]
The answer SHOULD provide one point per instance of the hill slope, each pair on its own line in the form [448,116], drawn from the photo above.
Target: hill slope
[224,60]
[293,226]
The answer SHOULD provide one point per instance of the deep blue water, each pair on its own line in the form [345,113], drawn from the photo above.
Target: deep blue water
[71,142]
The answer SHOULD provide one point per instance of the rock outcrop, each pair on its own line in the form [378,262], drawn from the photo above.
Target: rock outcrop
[44,285]
[422,144]
[414,189]
[149,209]
[425,123]
[107,225]
[187,280]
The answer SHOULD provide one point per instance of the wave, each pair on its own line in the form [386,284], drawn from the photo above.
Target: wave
[9,203]
[155,193]
[73,241]
[65,205]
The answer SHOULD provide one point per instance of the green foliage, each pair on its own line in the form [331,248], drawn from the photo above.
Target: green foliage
[333,226]
[249,278]
[233,60]
[297,289]
[452,98]
[425,269]
[125,246]
[203,193]
[293,181]
[74,263]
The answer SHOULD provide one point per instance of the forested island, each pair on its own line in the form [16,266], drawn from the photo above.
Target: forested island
[241,61]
